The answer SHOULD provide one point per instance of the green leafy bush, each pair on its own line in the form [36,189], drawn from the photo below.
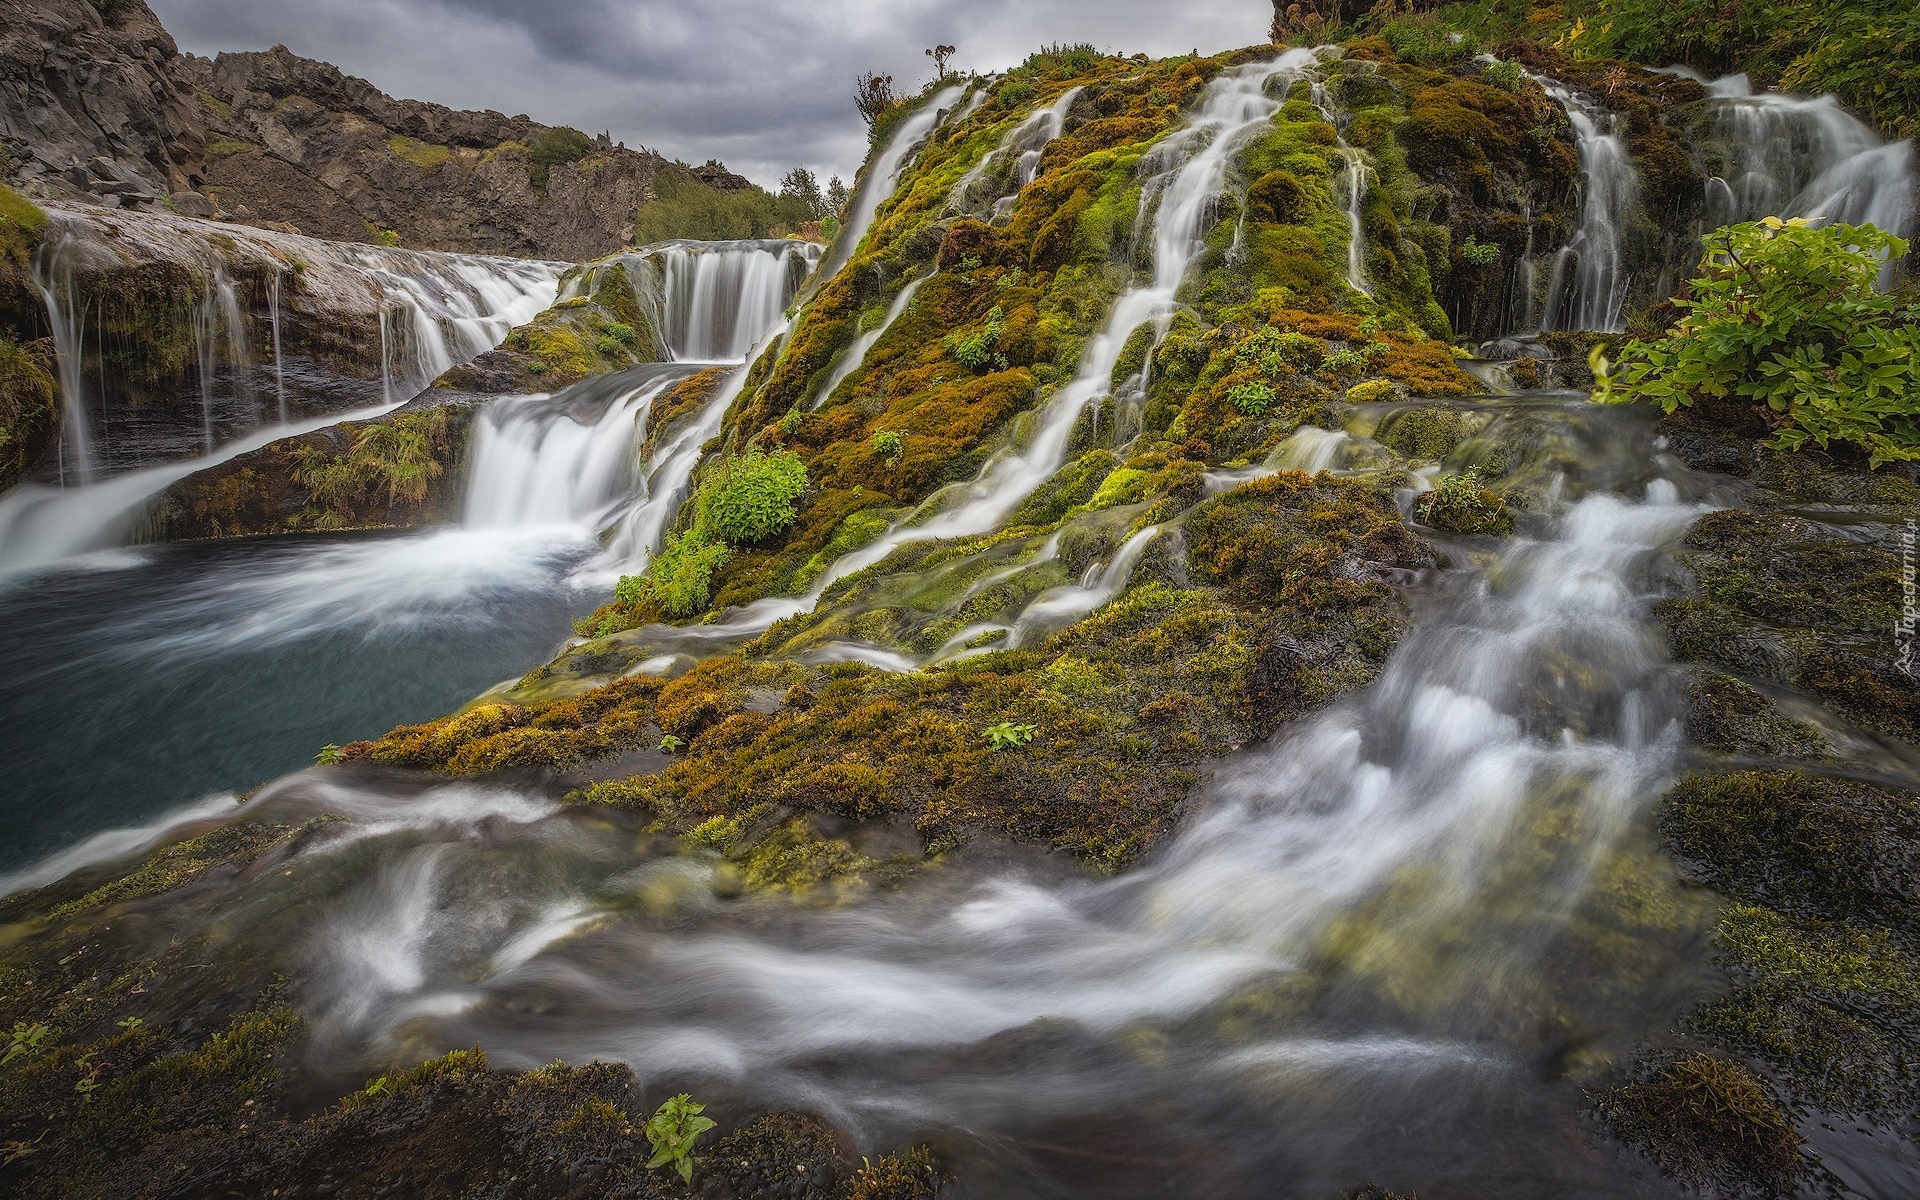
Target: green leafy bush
[886,444]
[1479,253]
[1007,735]
[976,349]
[1788,316]
[672,1130]
[1251,398]
[680,577]
[743,500]
[1507,76]
[557,147]
[1462,504]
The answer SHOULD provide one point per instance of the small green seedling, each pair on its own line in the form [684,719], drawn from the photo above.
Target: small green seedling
[329,756]
[670,744]
[673,1129]
[1006,735]
[24,1041]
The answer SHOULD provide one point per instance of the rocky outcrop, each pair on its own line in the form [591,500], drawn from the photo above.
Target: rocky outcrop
[297,141]
[97,103]
[90,103]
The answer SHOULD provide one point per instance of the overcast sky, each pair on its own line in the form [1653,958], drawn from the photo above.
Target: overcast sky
[762,85]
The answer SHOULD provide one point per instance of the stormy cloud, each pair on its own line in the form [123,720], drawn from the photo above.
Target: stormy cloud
[762,85]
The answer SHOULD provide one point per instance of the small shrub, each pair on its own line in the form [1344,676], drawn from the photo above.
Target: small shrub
[1507,76]
[24,1041]
[1461,504]
[1277,353]
[976,350]
[1251,398]
[886,444]
[1013,94]
[1007,735]
[557,147]
[1789,318]
[680,577]
[329,756]
[1478,253]
[672,1131]
[626,335]
[744,500]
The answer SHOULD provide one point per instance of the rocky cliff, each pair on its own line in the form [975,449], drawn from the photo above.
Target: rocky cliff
[97,103]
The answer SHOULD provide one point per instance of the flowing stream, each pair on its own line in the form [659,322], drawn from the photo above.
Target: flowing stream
[1588,287]
[1369,942]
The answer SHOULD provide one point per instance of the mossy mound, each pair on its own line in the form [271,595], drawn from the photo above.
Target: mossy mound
[1780,598]
[29,407]
[1708,1121]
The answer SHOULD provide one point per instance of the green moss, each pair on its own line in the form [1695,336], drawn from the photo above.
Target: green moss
[29,411]
[425,155]
[1705,1119]
[21,224]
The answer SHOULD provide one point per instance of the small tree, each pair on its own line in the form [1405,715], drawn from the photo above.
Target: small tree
[837,196]
[940,55]
[873,96]
[800,185]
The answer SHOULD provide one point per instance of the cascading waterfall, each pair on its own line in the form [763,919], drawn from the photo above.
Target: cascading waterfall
[550,461]
[711,301]
[885,172]
[1015,162]
[1772,154]
[1192,174]
[1588,287]
[434,310]
[855,356]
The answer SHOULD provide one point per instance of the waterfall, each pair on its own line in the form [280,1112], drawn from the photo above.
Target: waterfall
[1771,154]
[884,175]
[42,525]
[1015,161]
[1353,185]
[1413,860]
[1588,287]
[54,269]
[855,356]
[1191,173]
[710,301]
[433,310]
[566,459]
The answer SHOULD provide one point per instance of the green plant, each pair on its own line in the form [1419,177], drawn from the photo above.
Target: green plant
[1006,735]
[743,500]
[977,349]
[679,579]
[684,207]
[556,147]
[791,421]
[672,1131]
[886,444]
[1276,352]
[1478,253]
[1463,504]
[1013,93]
[386,237]
[536,367]
[1788,317]
[24,1041]
[329,755]
[401,454]
[1507,76]
[671,744]
[1251,398]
